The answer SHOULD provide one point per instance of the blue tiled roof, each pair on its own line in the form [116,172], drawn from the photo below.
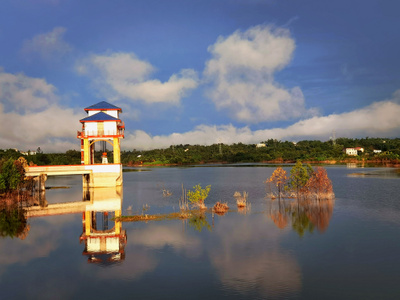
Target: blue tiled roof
[100,116]
[103,105]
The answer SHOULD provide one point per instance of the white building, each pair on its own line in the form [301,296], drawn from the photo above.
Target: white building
[351,151]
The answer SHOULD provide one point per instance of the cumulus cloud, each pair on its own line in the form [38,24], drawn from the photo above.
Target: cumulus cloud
[31,116]
[242,71]
[47,45]
[379,119]
[22,93]
[123,75]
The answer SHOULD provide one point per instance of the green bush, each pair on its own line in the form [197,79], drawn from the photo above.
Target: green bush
[11,174]
[198,195]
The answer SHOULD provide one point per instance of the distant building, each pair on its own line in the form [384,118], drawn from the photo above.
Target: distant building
[353,151]
[260,145]
[377,151]
[28,152]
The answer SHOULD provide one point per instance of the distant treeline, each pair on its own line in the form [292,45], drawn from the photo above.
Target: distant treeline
[274,150]
[71,157]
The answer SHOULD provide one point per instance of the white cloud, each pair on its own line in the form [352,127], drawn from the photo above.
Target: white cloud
[47,45]
[380,119]
[24,93]
[123,75]
[242,68]
[31,116]
[52,127]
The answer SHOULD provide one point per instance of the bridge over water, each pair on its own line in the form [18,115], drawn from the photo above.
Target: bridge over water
[95,175]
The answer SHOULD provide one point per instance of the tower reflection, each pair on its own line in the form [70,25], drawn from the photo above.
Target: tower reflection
[104,237]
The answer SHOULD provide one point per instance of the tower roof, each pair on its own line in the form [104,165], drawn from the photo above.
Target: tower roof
[100,116]
[103,105]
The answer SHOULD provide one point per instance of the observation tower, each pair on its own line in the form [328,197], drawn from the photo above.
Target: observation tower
[103,125]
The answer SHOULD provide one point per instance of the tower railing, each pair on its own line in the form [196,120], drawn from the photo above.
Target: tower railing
[101,133]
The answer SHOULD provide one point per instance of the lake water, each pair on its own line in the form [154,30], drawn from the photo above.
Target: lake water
[348,248]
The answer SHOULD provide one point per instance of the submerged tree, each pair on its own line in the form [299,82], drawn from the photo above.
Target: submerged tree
[278,179]
[198,195]
[305,182]
[299,176]
[309,185]
[319,185]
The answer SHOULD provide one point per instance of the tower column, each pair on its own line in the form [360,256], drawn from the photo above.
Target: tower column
[118,224]
[88,221]
[117,151]
[86,151]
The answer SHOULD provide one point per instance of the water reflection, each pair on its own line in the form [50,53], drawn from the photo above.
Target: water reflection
[248,257]
[104,238]
[13,222]
[304,215]
[249,254]
[199,221]
[381,173]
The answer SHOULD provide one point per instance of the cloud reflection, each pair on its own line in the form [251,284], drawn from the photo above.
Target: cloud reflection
[143,250]
[249,257]
[160,236]
[137,263]
[40,242]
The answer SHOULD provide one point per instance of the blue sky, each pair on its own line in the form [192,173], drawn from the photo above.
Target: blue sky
[199,71]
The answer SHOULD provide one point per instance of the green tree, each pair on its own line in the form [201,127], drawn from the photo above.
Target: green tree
[299,176]
[319,184]
[11,174]
[198,195]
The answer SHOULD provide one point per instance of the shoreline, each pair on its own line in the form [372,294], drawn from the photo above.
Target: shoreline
[383,163]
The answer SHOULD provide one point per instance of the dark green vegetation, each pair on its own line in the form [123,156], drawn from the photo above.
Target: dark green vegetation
[13,222]
[308,150]
[304,182]
[71,157]
[274,151]
[11,174]
[12,179]
[309,198]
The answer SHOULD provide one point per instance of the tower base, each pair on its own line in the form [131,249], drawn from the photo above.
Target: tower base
[109,175]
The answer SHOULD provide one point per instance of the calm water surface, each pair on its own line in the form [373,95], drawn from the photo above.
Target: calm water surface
[346,249]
